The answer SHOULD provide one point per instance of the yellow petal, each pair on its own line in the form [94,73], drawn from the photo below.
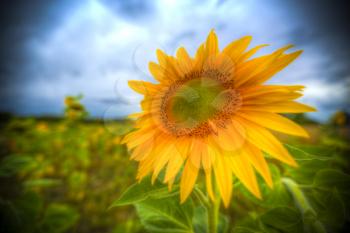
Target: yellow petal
[253,67]
[146,121]
[275,122]
[184,60]
[147,104]
[163,58]
[183,146]
[188,179]
[164,154]
[212,45]
[257,91]
[225,64]
[251,52]
[168,63]
[138,137]
[170,184]
[197,150]
[268,95]
[209,185]
[275,67]
[152,160]
[200,58]
[270,99]
[256,158]
[174,166]
[135,115]
[258,70]
[235,49]
[223,177]
[158,72]
[143,87]
[145,166]
[263,139]
[280,107]
[206,159]
[142,150]
[230,138]
[243,170]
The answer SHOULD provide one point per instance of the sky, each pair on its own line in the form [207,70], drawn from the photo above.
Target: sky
[50,49]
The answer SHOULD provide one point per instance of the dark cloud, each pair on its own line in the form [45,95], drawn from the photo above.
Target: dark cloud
[325,23]
[329,17]
[320,25]
[20,21]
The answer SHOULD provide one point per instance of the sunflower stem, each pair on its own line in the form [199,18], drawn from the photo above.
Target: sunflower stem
[201,197]
[213,214]
[303,204]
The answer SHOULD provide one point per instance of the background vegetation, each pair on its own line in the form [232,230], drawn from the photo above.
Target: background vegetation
[61,175]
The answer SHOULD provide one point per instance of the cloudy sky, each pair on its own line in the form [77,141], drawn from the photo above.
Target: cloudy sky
[50,49]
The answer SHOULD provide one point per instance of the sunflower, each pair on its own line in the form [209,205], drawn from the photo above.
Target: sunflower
[211,114]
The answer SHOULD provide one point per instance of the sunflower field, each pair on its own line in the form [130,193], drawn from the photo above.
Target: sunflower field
[74,175]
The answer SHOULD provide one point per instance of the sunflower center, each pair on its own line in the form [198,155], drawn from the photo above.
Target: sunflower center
[196,101]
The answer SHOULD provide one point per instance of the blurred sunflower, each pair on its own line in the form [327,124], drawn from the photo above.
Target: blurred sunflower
[212,112]
[74,110]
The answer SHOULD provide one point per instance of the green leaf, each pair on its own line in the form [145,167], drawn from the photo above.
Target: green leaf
[9,221]
[12,164]
[166,215]
[59,218]
[277,196]
[306,171]
[141,191]
[250,224]
[241,229]
[332,210]
[330,178]
[200,221]
[22,214]
[283,219]
[28,209]
[312,224]
[128,226]
[302,155]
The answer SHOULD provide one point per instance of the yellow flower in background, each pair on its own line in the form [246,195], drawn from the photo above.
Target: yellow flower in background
[42,127]
[69,100]
[339,118]
[74,110]
[213,112]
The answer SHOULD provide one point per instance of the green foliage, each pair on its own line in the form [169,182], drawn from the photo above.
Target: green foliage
[81,166]
[160,212]
[166,215]
[141,191]
[20,214]
[61,176]
[12,164]
[282,219]
[200,221]
[330,208]
[312,198]
[58,218]
[331,178]
[158,209]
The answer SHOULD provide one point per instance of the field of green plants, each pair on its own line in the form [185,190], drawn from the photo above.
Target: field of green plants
[62,175]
